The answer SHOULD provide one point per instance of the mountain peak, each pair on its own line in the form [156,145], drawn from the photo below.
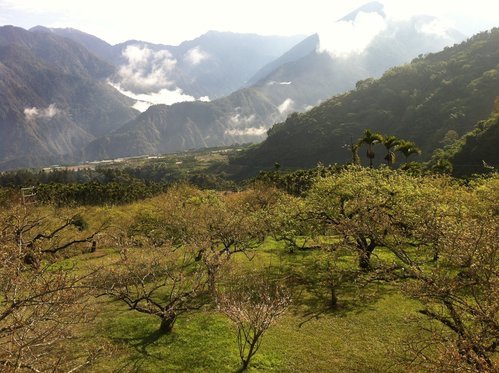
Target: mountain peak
[40,28]
[371,7]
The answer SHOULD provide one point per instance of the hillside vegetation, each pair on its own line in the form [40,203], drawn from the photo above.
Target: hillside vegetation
[475,152]
[368,242]
[369,270]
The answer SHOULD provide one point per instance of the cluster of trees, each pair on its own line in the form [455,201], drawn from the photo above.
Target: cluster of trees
[392,145]
[185,251]
[474,152]
[299,182]
[443,238]
[82,187]
[107,185]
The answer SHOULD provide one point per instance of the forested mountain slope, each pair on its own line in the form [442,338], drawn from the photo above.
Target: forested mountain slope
[420,101]
[475,152]
[53,98]
[236,118]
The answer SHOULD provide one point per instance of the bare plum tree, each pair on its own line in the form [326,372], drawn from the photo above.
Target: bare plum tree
[253,302]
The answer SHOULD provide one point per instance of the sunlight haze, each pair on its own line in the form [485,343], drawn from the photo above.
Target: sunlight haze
[171,23]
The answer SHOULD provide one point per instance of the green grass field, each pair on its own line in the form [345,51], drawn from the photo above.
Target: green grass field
[365,333]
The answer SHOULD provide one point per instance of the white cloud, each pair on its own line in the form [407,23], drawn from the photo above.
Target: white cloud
[164,96]
[251,131]
[146,70]
[195,56]
[273,82]
[436,27]
[142,105]
[286,106]
[31,113]
[47,113]
[238,119]
[344,38]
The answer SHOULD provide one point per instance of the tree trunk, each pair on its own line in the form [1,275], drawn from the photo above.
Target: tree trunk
[364,260]
[166,325]
[435,255]
[365,251]
[251,352]
[334,298]
[31,259]
[245,365]
[212,283]
[370,155]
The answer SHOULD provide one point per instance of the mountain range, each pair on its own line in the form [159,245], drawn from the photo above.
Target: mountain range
[296,81]
[67,96]
[212,65]
[56,96]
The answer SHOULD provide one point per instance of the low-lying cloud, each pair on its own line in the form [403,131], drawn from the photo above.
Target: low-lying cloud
[435,27]
[146,70]
[195,56]
[344,38]
[286,107]
[164,96]
[239,119]
[349,37]
[251,131]
[33,113]
[149,76]
[273,82]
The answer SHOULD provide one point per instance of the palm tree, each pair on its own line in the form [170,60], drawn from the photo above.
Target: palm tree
[390,143]
[370,139]
[407,148]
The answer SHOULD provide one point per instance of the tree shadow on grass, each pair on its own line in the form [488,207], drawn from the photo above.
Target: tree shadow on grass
[315,301]
[141,344]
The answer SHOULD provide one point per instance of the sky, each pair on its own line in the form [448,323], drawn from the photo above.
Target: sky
[171,22]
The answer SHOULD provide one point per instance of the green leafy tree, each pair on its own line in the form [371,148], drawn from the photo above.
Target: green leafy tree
[371,208]
[211,224]
[459,290]
[286,221]
[327,272]
[355,204]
